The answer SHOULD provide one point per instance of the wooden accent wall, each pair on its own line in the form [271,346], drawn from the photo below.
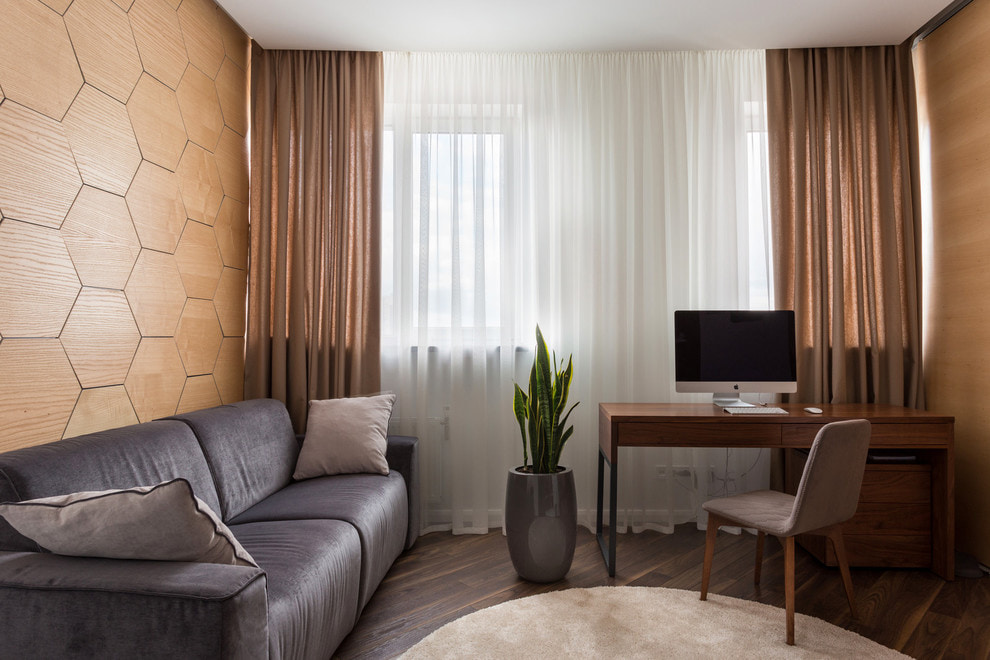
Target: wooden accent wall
[123,213]
[953,69]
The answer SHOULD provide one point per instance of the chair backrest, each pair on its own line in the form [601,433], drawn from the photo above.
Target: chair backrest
[829,490]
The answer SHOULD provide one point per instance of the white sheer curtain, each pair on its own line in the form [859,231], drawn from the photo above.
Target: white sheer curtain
[593,194]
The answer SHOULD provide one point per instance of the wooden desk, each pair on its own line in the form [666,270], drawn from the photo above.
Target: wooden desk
[705,425]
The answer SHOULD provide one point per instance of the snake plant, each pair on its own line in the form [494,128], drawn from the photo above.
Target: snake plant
[541,410]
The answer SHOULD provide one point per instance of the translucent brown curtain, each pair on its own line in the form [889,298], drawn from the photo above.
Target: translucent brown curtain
[314,270]
[846,220]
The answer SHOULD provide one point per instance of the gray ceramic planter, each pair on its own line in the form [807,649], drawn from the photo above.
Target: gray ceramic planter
[541,523]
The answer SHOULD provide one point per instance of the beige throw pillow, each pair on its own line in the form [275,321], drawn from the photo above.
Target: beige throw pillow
[162,522]
[345,436]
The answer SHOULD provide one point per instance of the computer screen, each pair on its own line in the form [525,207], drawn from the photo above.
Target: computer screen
[729,352]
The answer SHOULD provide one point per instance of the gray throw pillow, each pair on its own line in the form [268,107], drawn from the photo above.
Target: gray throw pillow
[345,436]
[162,522]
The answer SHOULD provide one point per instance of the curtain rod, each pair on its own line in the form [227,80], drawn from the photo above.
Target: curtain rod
[951,10]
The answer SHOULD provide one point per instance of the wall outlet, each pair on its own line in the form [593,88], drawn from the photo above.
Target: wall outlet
[678,471]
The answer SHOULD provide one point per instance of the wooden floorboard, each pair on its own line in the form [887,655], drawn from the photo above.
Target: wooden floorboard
[445,577]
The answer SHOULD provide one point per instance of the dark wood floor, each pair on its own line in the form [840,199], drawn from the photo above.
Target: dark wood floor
[445,577]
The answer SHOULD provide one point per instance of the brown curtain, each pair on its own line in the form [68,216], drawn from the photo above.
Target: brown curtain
[846,211]
[314,272]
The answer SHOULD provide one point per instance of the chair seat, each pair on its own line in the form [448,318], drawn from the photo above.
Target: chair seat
[768,511]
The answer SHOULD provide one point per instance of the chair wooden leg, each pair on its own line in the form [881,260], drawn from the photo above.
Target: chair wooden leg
[759,557]
[835,534]
[789,586]
[713,525]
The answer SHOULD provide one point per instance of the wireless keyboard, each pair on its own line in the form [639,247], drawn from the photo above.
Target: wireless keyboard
[754,410]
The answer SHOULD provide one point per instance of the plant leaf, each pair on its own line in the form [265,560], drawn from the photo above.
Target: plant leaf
[565,386]
[566,435]
[544,381]
[535,433]
[520,409]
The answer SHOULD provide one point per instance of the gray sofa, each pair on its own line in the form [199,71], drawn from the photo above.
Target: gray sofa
[323,545]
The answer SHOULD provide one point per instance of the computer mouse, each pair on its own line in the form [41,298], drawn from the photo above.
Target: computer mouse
[813,410]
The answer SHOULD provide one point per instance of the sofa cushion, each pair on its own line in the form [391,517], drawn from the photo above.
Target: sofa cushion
[250,447]
[375,505]
[165,522]
[139,455]
[345,436]
[312,568]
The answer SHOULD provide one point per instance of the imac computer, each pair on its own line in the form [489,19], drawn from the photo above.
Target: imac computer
[732,352]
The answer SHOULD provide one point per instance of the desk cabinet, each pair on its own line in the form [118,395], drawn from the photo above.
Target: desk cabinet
[893,522]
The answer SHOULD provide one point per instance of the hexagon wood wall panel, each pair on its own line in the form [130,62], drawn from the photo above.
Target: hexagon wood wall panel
[231,226]
[100,337]
[102,140]
[155,293]
[38,67]
[99,409]
[235,43]
[37,391]
[198,337]
[156,207]
[157,122]
[37,281]
[38,177]
[199,183]
[233,102]
[201,31]
[200,108]
[101,239]
[102,38]
[198,258]
[91,293]
[159,40]
[200,392]
[231,156]
[155,380]
[229,301]
[58,5]
[229,370]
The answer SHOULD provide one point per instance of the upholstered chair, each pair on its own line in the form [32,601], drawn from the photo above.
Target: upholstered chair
[826,497]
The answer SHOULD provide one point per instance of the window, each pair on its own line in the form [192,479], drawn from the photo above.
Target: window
[451,214]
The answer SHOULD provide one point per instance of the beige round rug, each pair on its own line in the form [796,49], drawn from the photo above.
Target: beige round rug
[639,622]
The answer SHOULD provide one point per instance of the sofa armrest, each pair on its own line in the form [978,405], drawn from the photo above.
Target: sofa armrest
[402,454]
[54,606]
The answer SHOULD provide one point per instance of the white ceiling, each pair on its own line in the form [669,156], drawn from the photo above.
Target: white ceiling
[577,25]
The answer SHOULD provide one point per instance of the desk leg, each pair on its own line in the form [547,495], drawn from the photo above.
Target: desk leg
[608,553]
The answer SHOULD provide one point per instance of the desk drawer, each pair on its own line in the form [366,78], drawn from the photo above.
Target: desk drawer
[893,520]
[688,434]
[904,484]
[893,435]
[911,434]
[890,518]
